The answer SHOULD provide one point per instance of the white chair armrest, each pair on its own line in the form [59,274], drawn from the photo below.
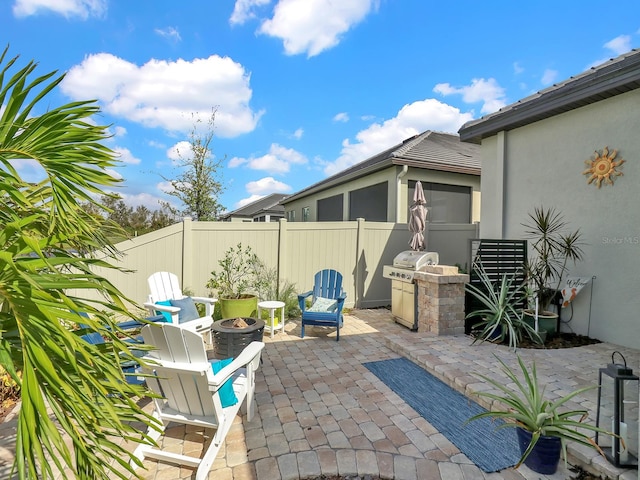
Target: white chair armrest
[250,355]
[204,300]
[153,307]
[208,304]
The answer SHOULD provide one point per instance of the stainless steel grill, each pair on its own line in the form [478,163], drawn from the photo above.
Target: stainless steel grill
[404,307]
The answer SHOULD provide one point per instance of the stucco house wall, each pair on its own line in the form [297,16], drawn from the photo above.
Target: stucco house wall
[542,164]
[389,175]
[435,157]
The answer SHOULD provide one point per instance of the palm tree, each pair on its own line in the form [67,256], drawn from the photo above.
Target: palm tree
[68,386]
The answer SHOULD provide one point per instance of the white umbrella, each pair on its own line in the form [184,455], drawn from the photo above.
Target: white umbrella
[417,219]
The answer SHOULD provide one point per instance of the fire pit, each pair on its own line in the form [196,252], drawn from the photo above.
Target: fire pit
[232,335]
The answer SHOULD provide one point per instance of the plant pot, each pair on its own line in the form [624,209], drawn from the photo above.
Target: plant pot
[547,321]
[239,307]
[545,455]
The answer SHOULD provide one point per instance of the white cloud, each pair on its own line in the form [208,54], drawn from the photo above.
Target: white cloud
[517,69]
[298,133]
[488,92]
[162,93]
[261,188]
[179,151]
[244,10]
[119,131]
[126,156]
[549,77]
[67,8]
[412,119]
[236,162]
[313,26]
[152,202]
[169,33]
[248,200]
[278,160]
[266,186]
[165,187]
[619,45]
[341,117]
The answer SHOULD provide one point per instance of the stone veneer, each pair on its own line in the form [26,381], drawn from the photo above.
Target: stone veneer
[441,300]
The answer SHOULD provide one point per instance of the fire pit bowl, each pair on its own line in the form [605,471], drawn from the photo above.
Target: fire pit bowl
[229,341]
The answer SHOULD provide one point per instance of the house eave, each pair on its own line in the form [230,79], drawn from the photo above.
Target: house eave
[613,78]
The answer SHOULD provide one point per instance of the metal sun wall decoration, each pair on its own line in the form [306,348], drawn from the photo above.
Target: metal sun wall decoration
[602,167]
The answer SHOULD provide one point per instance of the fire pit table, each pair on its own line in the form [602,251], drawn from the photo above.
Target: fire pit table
[229,339]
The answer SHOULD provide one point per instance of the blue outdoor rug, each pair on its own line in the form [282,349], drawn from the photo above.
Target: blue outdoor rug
[448,410]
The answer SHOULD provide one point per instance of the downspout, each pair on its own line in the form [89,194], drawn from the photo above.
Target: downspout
[405,169]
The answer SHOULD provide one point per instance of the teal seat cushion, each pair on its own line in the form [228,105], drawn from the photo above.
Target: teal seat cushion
[166,315]
[326,305]
[188,310]
[227,395]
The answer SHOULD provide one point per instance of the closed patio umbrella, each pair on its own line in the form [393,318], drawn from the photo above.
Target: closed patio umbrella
[417,219]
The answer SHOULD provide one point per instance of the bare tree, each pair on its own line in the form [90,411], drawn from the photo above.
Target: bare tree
[199,185]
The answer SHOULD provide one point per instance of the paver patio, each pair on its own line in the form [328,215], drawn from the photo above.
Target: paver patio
[321,412]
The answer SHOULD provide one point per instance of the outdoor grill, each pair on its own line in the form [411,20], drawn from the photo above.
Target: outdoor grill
[404,307]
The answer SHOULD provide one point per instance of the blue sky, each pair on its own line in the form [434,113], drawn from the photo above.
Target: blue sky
[302,88]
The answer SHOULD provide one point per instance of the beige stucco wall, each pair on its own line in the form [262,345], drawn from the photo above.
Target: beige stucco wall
[389,175]
[543,165]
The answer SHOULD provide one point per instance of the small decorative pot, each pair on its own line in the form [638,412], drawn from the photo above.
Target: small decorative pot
[545,455]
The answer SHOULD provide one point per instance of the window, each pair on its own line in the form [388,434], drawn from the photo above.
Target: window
[369,203]
[445,203]
[305,214]
[330,209]
[291,216]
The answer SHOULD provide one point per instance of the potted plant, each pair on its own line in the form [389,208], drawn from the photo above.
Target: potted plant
[500,319]
[238,282]
[543,426]
[552,248]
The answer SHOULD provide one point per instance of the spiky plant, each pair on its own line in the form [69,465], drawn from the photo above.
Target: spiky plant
[528,408]
[67,385]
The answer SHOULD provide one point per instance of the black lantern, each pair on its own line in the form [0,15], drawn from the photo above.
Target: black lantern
[618,413]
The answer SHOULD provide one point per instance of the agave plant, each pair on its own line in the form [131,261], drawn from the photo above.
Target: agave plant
[528,409]
[501,319]
[46,241]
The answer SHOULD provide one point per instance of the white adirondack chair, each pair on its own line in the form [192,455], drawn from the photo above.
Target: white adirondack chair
[184,378]
[165,286]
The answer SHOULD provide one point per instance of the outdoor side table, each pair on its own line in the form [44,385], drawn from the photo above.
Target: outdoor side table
[272,306]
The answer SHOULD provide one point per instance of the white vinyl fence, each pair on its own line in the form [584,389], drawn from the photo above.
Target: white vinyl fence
[297,250]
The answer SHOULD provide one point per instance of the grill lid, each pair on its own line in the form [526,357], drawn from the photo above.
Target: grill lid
[413,260]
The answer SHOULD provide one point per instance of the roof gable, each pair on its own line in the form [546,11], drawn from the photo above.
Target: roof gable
[268,203]
[428,150]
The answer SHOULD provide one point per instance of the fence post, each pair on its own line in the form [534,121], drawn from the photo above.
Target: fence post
[282,249]
[187,255]
[358,276]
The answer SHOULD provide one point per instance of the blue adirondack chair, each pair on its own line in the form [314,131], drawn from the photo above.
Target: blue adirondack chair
[327,300]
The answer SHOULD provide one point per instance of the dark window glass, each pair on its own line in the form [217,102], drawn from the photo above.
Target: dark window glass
[330,209]
[369,203]
[445,203]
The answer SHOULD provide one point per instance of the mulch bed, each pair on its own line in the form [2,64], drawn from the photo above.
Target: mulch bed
[560,340]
